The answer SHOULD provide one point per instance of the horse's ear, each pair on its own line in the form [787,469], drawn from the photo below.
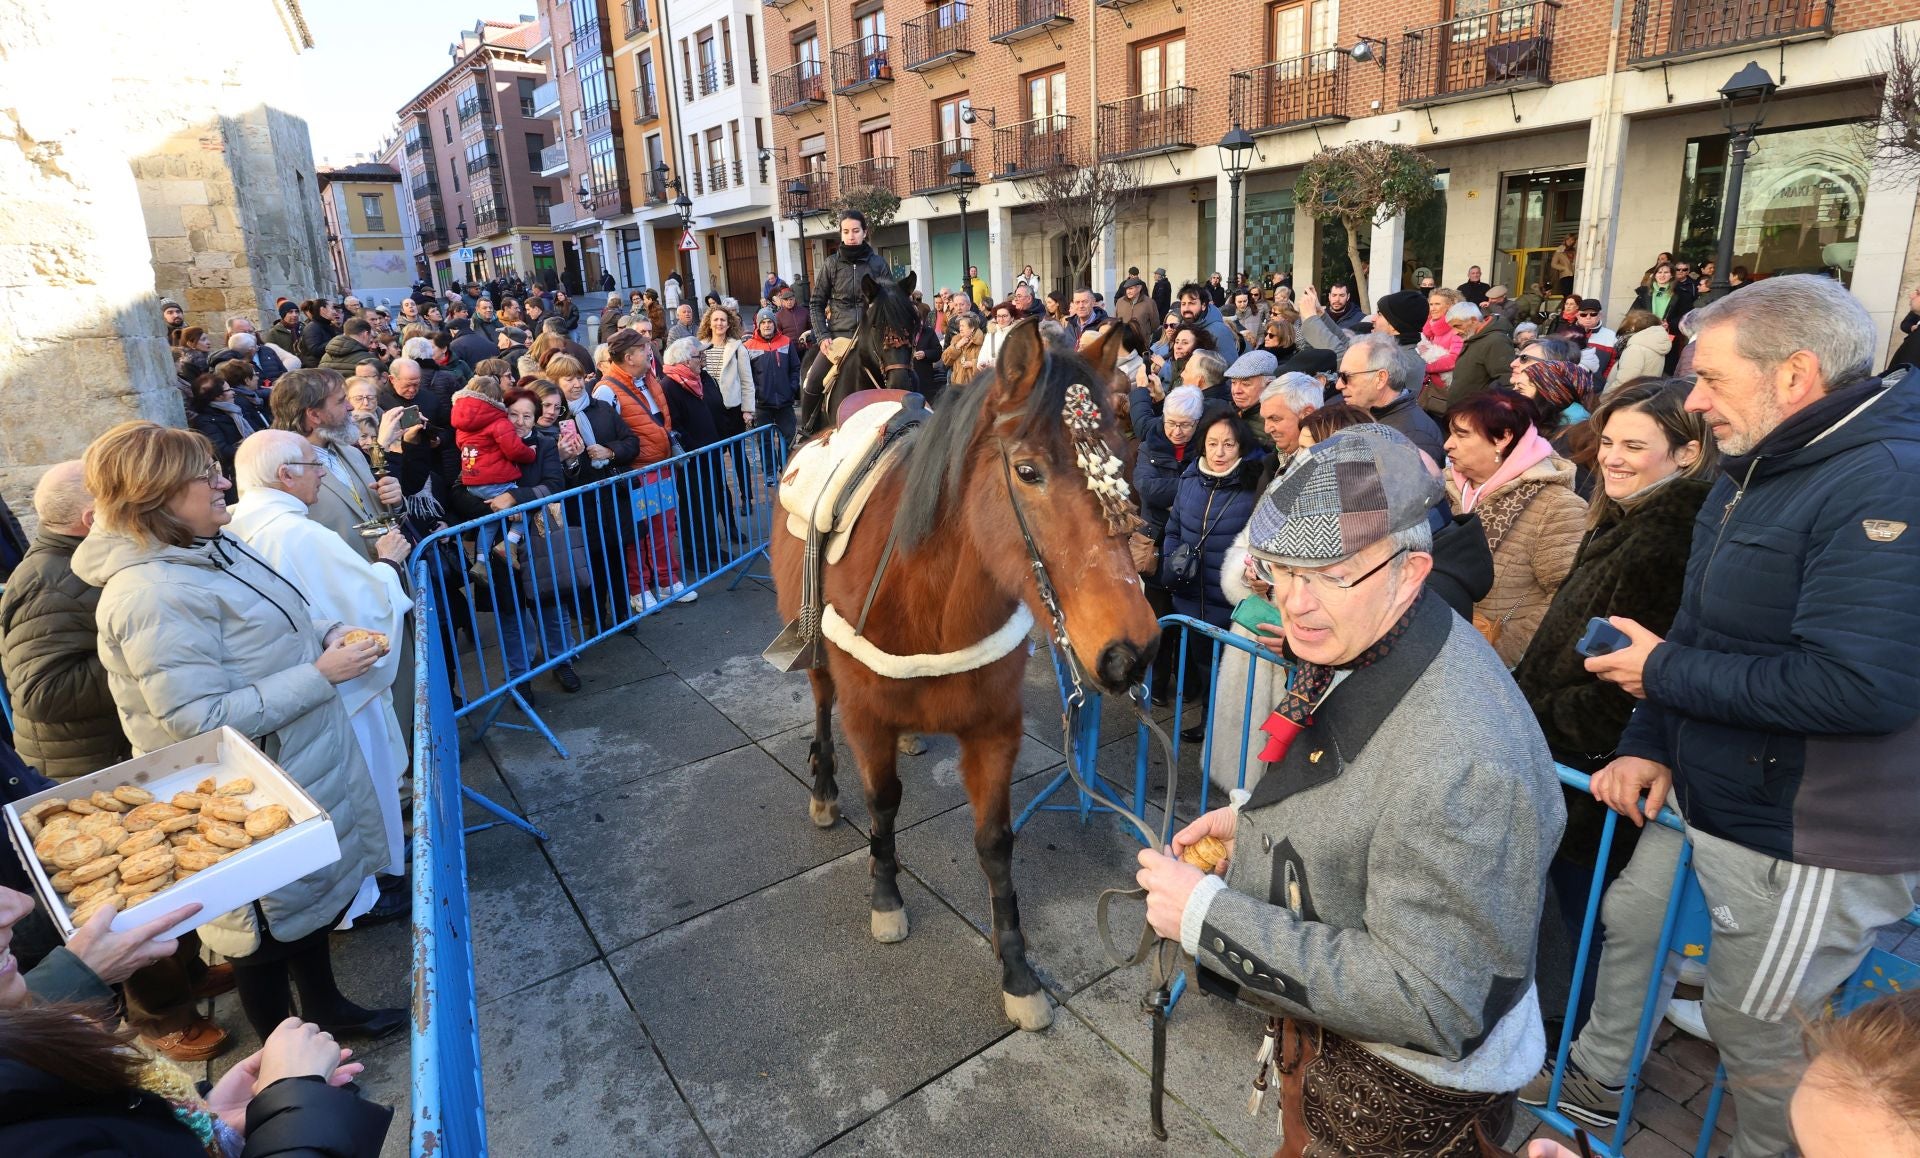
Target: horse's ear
[908,282]
[869,287]
[1104,351]
[1021,358]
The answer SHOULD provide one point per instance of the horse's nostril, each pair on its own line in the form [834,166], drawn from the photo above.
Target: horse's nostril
[1123,664]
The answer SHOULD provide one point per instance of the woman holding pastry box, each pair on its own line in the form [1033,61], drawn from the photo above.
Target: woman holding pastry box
[197,632]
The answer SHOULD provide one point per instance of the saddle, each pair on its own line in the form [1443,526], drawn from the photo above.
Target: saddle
[829,480]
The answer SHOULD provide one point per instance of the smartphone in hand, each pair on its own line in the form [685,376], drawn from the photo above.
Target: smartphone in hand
[569,428]
[1601,638]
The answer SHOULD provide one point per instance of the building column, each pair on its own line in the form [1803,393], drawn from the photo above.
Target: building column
[999,249]
[1600,211]
[1383,260]
[1886,227]
[649,254]
[1106,255]
[702,278]
[1223,228]
[786,251]
[920,255]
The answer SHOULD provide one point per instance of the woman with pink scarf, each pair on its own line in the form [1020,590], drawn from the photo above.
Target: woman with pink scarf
[1501,467]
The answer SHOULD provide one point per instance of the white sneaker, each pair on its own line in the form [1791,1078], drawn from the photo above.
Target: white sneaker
[1687,1017]
[681,593]
[644,602]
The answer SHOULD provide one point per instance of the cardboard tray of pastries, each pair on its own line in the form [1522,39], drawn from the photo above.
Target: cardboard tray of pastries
[209,819]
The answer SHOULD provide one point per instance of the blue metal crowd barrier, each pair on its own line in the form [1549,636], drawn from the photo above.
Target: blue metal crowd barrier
[1684,925]
[532,588]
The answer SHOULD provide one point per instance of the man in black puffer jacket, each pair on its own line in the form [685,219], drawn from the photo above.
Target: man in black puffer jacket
[1782,709]
[836,303]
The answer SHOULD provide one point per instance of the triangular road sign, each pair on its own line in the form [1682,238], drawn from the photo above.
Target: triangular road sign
[688,242]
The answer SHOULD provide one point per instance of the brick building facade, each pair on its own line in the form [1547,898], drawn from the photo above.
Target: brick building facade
[1545,118]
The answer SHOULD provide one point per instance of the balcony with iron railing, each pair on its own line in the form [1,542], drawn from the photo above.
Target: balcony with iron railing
[815,196]
[1508,48]
[1291,94]
[711,79]
[870,173]
[433,237]
[637,18]
[553,159]
[936,38]
[546,99]
[425,188]
[653,188]
[487,161]
[717,176]
[1010,21]
[586,40]
[417,145]
[861,65]
[607,199]
[646,105]
[1148,124]
[599,118]
[467,110]
[489,218]
[797,88]
[777,4]
[928,165]
[1029,147]
[1664,31]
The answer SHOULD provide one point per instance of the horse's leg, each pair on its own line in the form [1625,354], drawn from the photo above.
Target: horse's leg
[824,807]
[986,767]
[873,746]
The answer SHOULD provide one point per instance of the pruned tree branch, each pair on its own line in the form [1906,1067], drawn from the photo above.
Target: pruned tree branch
[1895,128]
[1082,202]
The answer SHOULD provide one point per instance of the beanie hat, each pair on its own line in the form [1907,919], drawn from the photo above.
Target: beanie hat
[1406,311]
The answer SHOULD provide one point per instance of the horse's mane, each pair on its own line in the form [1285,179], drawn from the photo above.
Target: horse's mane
[938,456]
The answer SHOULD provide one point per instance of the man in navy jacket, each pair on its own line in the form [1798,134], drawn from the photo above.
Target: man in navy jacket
[1780,711]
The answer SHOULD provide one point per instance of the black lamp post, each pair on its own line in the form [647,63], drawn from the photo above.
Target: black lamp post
[799,206]
[964,183]
[1743,105]
[1236,153]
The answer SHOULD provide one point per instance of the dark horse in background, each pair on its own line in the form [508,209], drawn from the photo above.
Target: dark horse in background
[959,573]
[881,356]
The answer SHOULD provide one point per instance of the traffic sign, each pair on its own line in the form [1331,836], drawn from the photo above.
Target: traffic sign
[688,242]
[465,254]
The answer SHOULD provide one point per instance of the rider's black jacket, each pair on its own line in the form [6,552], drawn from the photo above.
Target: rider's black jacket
[837,284]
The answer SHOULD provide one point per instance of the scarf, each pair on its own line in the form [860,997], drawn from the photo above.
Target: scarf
[1212,473]
[1531,449]
[579,411]
[1561,385]
[688,377]
[855,254]
[1310,684]
[239,416]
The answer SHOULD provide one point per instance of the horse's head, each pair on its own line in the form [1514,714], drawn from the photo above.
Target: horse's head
[1034,440]
[890,316]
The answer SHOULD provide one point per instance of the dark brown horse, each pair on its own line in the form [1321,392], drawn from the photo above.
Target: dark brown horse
[960,574]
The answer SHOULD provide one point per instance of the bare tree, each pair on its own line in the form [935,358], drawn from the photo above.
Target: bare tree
[1082,202]
[1360,184]
[1895,126]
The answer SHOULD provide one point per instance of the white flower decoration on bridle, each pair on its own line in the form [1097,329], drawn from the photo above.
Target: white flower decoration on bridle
[1105,473]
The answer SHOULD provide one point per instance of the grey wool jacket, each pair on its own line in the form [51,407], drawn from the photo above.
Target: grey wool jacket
[1388,872]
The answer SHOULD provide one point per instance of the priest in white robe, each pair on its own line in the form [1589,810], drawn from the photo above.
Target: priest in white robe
[279,473]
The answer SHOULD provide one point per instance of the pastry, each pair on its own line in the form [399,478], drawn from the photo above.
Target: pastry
[97,821]
[205,787]
[112,838]
[148,815]
[141,842]
[32,825]
[106,802]
[132,794]
[239,786]
[1205,853]
[81,894]
[127,903]
[178,823]
[188,801]
[225,808]
[85,914]
[75,851]
[95,869]
[46,808]
[177,839]
[192,860]
[59,822]
[152,884]
[62,881]
[223,834]
[362,635]
[146,865]
[83,807]
[263,822]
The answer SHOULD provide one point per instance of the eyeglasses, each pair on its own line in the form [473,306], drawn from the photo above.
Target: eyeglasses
[1318,582]
[213,476]
[1171,426]
[1347,376]
[305,463]
[1525,357]
[1589,313]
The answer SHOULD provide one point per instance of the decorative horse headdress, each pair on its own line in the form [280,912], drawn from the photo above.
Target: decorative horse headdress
[1104,471]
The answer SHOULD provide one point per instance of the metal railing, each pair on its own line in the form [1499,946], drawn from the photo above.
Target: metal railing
[869,173]
[599,118]
[1027,147]
[424,188]
[567,588]
[416,145]
[646,105]
[653,188]
[797,87]
[717,176]
[553,158]
[586,39]
[937,37]
[817,198]
[1283,94]
[928,165]
[607,199]
[1510,47]
[714,77]
[1667,30]
[485,161]
[1149,123]
[468,110]
[433,238]
[637,21]
[546,98]
[861,65]
[487,218]
[1013,20]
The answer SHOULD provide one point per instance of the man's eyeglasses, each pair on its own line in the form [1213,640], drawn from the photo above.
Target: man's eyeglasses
[1347,376]
[1318,582]
[305,463]
[1589,313]
[1523,356]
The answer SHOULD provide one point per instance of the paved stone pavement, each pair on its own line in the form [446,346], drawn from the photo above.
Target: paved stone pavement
[685,966]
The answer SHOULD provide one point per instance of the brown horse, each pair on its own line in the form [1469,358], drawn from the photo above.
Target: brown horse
[960,574]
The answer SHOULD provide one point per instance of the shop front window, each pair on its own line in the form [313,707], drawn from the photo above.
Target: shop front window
[1268,229]
[1537,211]
[1800,202]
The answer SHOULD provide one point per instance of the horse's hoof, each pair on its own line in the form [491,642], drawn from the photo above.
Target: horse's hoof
[891,927]
[825,813]
[1033,1012]
[909,744]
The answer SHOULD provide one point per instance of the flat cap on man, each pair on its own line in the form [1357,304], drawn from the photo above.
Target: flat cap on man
[1254,364]
[1351,491]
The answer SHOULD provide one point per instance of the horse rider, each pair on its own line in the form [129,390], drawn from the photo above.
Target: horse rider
[837,303]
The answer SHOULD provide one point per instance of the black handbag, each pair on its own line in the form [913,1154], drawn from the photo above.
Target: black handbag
[560,565]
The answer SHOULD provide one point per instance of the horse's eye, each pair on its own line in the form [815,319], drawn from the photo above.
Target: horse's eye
[1029,474]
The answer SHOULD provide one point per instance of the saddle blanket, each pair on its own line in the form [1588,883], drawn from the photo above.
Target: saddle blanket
[823,469]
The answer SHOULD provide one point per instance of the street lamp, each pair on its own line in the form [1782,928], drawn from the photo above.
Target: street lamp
[1743,105]
[964,183]
[1236,153]
[799,197]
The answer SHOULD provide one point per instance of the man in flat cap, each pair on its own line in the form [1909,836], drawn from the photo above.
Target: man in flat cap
[1382,883]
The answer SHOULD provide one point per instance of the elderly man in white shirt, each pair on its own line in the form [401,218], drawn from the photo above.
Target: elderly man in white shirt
[279,475]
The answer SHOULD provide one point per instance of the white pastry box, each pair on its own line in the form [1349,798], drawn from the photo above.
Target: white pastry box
[269,863]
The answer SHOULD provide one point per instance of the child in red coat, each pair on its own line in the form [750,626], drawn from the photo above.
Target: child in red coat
[491,450]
